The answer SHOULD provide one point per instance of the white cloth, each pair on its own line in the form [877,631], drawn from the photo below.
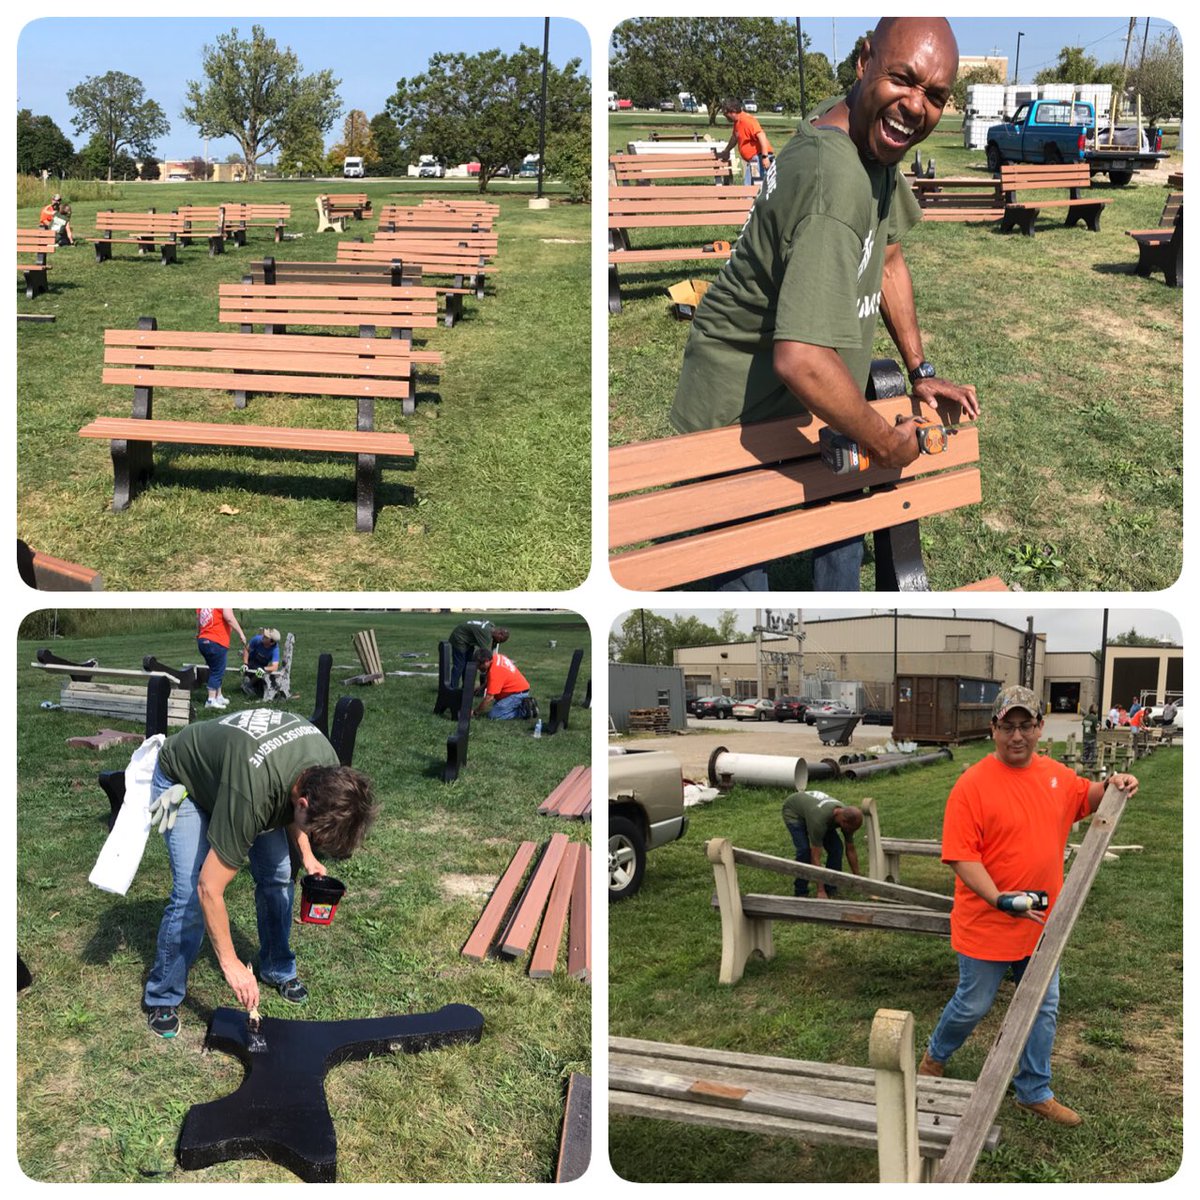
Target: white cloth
[122,852]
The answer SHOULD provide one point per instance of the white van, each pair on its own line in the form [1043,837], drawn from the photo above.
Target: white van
[352,168]
[612,101]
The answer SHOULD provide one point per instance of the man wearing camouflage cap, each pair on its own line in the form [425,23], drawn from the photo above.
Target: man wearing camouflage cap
[1004,834]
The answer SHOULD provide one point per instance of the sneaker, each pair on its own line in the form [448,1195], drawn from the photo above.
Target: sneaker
[292,991]
[216,702]
[1051,1110]
[931,1066]
[163,1021]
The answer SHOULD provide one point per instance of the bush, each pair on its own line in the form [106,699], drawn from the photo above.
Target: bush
[33,193]
[51,623]
[569,158]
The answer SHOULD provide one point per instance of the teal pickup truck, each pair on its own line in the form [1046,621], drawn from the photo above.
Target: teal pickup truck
[1062,131]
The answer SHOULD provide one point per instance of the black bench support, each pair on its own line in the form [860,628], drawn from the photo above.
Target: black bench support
[456,743]
[560,706]
[347,716]
[320,715]
[48,657]
[449,700]
[158,692]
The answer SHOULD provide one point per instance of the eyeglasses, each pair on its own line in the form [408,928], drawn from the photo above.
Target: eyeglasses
[1024,727]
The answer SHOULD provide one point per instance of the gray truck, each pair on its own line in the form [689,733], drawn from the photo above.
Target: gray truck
[1064,131]
[645,811]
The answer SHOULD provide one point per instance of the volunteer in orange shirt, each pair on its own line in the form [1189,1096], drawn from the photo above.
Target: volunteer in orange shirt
[752,143]
[506,692]
[1005,832]
[212,640]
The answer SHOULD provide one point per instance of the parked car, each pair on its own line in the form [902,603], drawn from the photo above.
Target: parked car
[750,106]
[777,108]
[714,706]
[666,106]
[429,167]
[826,708]
[353,168]
[790,708]
[754,710]
[645,811]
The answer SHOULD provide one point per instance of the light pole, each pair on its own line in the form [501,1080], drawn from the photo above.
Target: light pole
[1017,67]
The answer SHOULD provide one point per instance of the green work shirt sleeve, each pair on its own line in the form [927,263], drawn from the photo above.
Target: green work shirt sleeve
[818,297]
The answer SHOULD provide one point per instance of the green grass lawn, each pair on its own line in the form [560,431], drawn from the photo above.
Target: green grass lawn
[502,482]
[1119,1051]
[1078,364]
[100,1099]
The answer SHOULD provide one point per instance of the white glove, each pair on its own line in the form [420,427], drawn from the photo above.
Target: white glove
[165,807]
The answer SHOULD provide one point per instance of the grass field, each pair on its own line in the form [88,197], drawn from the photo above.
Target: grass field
[100,1099]
[1078,364]
[1119,1051]
[502,482]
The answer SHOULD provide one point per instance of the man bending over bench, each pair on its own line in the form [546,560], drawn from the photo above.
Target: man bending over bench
[789,322]
[816,823]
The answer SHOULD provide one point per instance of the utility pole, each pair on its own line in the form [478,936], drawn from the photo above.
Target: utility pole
[800,56]
[542,114]
[1017,66]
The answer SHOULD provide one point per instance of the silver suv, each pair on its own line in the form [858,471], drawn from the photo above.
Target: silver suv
[645,811]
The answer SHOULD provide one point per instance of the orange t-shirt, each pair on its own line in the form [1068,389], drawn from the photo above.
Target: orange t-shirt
[1139,718]
[1015,821]
[504,679]
[48,215]
[212,626]
[746,128]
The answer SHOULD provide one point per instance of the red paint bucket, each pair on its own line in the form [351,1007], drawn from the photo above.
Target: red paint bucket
[319,896]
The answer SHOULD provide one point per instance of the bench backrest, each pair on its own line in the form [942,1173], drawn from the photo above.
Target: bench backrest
[1171,210]
[35,241]
[634,168]
[460,240]
[379,273]
[430,259]
[202,214]
[352,303]
[290,364]
[749,474]
[140,222]
[671,206]
[433,221]
[1030,177]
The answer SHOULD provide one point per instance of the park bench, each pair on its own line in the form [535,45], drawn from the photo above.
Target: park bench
[958,198]
[715,500]
[287,364]
[1162,249]
[38,243]
[203,221]
[483,243]
[746,918]
[408,216]
[465,268]
[334,210]
[634,169]
[665,207]
[242,216]
[145,231]
[50,574]
[482,211]
[1016,180]
[884,853]
[367,307]
[908,1119]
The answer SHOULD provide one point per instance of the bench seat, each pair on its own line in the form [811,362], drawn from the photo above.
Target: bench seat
[37,243]
[1075,177]
[1162,249]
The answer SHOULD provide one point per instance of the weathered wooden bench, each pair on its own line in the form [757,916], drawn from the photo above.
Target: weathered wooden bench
[1162,249]
[1016,180]
[281,364]
[39,243]
[665,207]
[634,169]
[414,241]
[336,208]
[884,853]
[50,574]
[908,1119]
[467,270]
[145,231]
[368,307]
[725,499]
[958,198]
[746,918]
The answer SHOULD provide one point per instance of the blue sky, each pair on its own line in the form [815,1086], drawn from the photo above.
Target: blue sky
[368,55]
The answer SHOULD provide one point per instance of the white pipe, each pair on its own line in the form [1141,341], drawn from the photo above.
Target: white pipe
[758,770]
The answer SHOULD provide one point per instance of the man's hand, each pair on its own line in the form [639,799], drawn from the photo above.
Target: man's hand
[244,985]
[1019,904]
[313,866]
[1127,783]
[933,390]
[899,445]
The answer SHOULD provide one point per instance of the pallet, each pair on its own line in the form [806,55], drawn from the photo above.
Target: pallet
[122,702]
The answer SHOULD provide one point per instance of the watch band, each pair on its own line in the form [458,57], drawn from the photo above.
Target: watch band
[923,370]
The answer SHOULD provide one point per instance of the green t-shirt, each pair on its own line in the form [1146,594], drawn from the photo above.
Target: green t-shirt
[803,808]
[472,633]
[807,267]
[1091,722]
[240,769]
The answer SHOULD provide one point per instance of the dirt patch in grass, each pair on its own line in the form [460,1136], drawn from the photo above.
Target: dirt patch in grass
[465,885]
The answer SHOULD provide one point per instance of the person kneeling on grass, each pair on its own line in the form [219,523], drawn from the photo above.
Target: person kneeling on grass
[240,788]
[505,691]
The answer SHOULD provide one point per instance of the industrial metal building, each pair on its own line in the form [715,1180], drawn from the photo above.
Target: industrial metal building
[634,685]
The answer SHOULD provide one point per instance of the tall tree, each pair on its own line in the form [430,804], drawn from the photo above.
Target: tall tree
[95,162]
[113,108]
[256,93]
[41,145]
[847,69]
[1073,66]
[988,73]
[649,637]
[358,140]
[484,107]
[387,144]
[1159,79]
[302,152]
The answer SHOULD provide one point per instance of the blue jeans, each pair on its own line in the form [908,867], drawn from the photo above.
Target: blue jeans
[835,568]
[459,659]
[215,656]
[833,854]
[978,981]
[182,929]
[508,708]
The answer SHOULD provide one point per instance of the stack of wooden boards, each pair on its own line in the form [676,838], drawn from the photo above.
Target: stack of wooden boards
[571,799]
[367,649]
[560,881]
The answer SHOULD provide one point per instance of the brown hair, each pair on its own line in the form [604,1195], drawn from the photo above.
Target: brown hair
[341,808]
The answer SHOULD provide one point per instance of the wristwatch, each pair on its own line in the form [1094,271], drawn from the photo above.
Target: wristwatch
[923,370]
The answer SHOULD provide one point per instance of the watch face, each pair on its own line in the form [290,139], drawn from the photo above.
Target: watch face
[924,371]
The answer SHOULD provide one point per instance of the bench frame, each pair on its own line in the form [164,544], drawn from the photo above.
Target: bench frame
[1072,176]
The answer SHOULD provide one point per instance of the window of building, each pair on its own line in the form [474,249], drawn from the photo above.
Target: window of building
[958,641]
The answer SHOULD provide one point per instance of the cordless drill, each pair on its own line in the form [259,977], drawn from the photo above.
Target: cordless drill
[844,456]
[1022,902]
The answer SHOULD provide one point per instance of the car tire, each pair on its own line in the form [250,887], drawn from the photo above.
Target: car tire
[1052,155]
[626,859]
[994,160]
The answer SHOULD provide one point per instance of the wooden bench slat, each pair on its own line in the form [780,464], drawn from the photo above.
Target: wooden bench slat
[658,567]
[255,360]
[278,384]
[668,254]
[264,343]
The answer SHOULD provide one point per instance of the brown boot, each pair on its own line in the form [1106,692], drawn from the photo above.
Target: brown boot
[931,1066]
[1051,1110]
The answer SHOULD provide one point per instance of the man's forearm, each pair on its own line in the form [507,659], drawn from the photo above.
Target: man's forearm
[898,307]
[216,925]
[975,876]
[299,839]
[852,857]
[484,705]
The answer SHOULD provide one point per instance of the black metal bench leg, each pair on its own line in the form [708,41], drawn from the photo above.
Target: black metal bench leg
[614,290]
[1173,263]
[899,566]
[366,475]
[133,464]
[453,309]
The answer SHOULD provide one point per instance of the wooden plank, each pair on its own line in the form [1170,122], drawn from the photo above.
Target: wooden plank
[476,945]
[843,879]
[288,385]
[848,914]
[575,1142]
[998,1067]
[545,953]
[263,343]
[115,672]
[525,920]
[579,803]
[579,944]
[197,433]
[552,801]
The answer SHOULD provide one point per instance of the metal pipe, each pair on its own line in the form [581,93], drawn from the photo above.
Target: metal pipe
[757,770]
[862,770]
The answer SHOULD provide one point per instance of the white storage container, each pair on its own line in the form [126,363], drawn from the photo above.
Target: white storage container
[985,99]
[1057,91]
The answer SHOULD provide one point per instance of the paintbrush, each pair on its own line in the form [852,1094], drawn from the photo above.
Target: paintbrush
[255,1042]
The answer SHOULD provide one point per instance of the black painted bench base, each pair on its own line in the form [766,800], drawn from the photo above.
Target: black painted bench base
[169,250]
[1022,217]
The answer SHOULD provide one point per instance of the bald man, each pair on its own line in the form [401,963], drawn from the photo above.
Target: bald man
[788,326]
